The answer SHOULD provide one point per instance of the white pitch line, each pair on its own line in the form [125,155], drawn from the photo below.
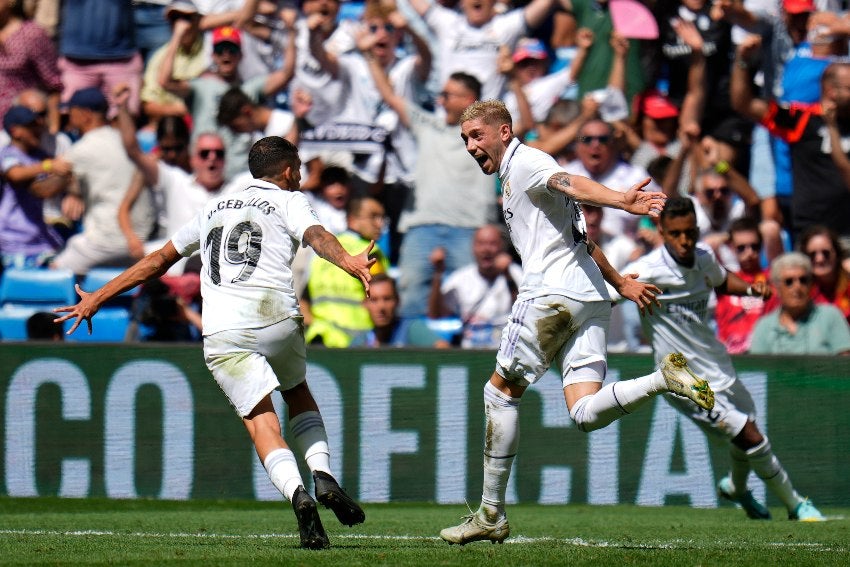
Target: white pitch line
[516,540]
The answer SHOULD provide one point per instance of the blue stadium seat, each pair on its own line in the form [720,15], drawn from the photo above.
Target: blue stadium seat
[109,325]
[13,322]
[98,277]
[447,327]
[36,287]
[350,10]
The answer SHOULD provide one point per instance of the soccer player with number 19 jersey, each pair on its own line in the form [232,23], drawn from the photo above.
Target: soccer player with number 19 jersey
[253,330]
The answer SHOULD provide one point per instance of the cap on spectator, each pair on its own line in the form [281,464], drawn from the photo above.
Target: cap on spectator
[655,105]
[180,7]
[798,6]
[529,48]
[18,116]
[90,98]
[226,34]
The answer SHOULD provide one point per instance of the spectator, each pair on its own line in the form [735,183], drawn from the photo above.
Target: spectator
[182,193]
[799,326]
[331,200]
[388,329]
[53,145]
[831,279]
[450,199]
[29,176]
[542,90]
[27,60]
[716,208]
[247,121]
[206,90]
[381,165]
[469,41]
[98,48]
[42,326]
[599,159]
[185,48]
[820,194]
[735,314]
[160,315]
[333,303]
[480,294]
[102,174]
[595,15]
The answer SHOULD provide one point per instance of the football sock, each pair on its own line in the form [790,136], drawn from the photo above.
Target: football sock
[768,468]
[739,471]
[309,435]
[500,446]
[614,400]
[283,471]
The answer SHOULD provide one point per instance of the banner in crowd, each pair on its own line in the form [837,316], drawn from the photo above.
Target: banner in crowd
[148,421]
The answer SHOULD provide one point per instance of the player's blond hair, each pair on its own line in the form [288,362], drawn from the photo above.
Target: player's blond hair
[492,112]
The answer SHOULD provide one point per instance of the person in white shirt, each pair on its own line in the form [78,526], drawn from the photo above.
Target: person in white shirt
[688,272]
[253,330]
[562,310]
[469,41]
[480,294]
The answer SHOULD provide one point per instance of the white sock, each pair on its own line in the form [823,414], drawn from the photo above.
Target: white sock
[283,471]
[768,468]
[739,471]
[308,434]
[500,446]
[614,400]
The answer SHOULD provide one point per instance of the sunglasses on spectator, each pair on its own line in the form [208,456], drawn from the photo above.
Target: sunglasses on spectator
[755,247]
[587,140]
[206,153]
[389,28]
[226,47]
[826,253]
[712,192]
[802,280]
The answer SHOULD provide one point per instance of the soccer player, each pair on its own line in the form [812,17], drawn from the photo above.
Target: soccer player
[253,331]
[562,310]
[688,272]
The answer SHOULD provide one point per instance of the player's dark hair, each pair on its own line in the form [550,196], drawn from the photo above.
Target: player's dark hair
[270,156]
[231,104]
[470,83]
[677,207]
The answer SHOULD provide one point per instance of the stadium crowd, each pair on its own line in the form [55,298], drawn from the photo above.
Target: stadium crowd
[121,119]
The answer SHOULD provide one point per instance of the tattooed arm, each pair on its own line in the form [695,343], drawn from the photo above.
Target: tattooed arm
[584,190]
[328,247]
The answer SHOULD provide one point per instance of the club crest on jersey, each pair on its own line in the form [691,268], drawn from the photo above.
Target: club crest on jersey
[506,189]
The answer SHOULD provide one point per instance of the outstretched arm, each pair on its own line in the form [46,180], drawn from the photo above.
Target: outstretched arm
[328,247]
[151,266]
[585,190]
[734,285]
[644,294]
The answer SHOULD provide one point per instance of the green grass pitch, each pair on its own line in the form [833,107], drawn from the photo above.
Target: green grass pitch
[56,531]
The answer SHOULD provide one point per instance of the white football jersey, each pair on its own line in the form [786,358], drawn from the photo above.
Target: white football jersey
[547,229]
[683,322]
[247,241]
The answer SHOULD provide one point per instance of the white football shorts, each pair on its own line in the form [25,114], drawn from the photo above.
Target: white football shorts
[552,329]
[248,364]
[733,407]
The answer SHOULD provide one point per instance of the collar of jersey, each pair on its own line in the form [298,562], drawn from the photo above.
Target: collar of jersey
[260,184]
[509,154]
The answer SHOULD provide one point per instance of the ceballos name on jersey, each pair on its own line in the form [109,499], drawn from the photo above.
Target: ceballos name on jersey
[265,207]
